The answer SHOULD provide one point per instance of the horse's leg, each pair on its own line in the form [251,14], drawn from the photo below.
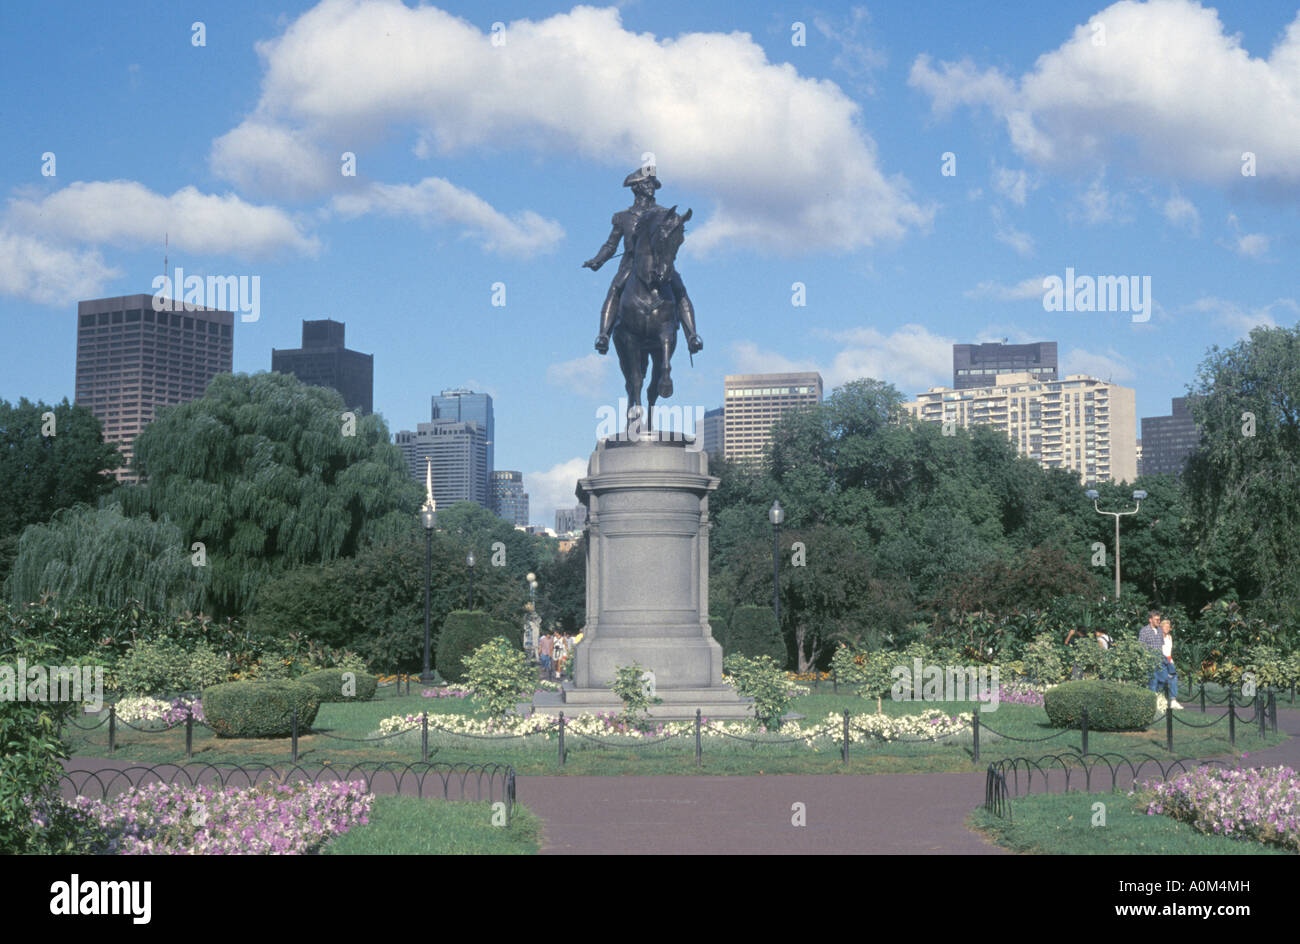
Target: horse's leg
[629,358]
[652,388]
[667,343]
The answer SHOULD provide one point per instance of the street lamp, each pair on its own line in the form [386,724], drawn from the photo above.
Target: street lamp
[531,607]
[428,518]
[1137,497]
[776,514]
[469,562]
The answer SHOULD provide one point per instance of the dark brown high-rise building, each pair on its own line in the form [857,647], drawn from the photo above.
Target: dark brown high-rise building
[978,365]
[132,359]
[323,361]
[1167,441]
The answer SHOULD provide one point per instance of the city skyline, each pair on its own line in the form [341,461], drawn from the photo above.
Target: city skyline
[872,260]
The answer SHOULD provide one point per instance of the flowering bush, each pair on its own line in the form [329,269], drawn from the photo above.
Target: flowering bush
[761,679]
[446,693]
[499,675]
[1019,693]
[1255,804]
[155,710]
[279,819]
[929,724]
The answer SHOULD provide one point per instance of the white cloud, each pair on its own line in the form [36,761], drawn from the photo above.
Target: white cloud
[438,201]
[910,358]
[1098,205]
[261,157]
[1253,245]
[1025,289]
[1109,366]
[1181,212]
[128,214]
[553,488]
[1015,185]
[1170,93]
[1007,234]
[784,158]
[1240,319]
[48,274]
[583,375]
[748,359]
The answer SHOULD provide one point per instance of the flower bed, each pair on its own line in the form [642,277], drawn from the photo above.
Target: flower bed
[447,693]
[156,712]
[1254,804]
[278,819]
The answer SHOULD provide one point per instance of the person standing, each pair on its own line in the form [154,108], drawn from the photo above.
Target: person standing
[1171,670]
[544,652]
[1153,638]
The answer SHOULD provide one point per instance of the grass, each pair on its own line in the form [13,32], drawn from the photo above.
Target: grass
[412,826]
[539,754]
[1061,824]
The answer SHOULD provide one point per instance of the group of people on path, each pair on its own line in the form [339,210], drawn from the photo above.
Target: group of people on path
[554,650]
[1158,636]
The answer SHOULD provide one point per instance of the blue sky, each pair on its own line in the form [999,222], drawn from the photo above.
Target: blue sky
[1106,139]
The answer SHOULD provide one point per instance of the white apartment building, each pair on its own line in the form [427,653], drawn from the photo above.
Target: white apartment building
[1078,423]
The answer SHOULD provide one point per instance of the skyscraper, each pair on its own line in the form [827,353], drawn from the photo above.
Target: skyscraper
[323,361]
[977,365]
[1080,423]
[568,520]
[1167,441]
[459,454]
[466,406]
[753,402]
[712,432]
[509,500]
[132,360]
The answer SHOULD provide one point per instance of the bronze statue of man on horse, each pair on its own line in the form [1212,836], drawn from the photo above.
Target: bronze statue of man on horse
[646,300]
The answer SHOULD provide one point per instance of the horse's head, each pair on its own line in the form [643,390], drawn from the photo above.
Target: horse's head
[666,235]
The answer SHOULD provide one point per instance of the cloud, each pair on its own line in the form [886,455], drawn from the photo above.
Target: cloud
[1181,212]
[1252,245]
[582,375]
[1109,366]
[438,201]
[910,358]
[784,157]
[127,214]
[1023,290]
[746,358]
[552,489]
[1015,185]
[1240,319]
[258,156]
[1098,205]
[1169,93]
[48,274]
[1007,234]
[855,57]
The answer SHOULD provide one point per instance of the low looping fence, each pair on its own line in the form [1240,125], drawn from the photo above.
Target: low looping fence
[1013,777]
[491,783]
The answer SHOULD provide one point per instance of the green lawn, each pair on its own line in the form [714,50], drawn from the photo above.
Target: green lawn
[412,826]
[538,754]
[1061,824]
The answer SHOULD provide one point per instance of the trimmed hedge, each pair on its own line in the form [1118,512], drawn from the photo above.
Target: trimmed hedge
[329,685]
[259,709]
[462,633]
[719,627]
[1112,706]
[753,632]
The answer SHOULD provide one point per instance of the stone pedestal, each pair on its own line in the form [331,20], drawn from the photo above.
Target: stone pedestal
[647,546]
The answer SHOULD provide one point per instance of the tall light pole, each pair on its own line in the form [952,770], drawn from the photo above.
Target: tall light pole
[469,562]
[428,518]
[776,514]
[1137,497]
[531,606]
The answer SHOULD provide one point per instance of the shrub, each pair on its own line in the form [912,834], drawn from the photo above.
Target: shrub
[867,674]
[1128,660]
[259,709]
[1111,706]
[633,689]
[1042,660]
[499,675]
[753,632]
[462,633]
[206,667]
[153,668]
[331,685]
[763,680]
[719,626]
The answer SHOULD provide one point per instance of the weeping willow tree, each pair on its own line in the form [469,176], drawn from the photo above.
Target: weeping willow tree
[103,557]
[268,474]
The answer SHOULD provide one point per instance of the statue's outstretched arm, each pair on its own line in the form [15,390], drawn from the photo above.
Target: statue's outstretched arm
[606,251]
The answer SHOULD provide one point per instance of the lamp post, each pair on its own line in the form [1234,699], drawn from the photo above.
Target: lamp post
[531,607]
[428,518]
[776,514]
[1137,497]
[469,562]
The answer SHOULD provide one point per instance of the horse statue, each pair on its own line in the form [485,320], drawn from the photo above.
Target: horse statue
[645,328]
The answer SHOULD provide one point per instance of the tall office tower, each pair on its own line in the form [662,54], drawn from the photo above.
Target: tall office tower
[323,361]
[1167,441]
[753,402]
[1079,423]
[712,432]
[568,520]
[509,500]
[466,406]
[132,360]
[459,454]
[977,365]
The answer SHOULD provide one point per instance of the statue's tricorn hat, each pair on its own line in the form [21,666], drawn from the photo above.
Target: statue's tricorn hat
[640,174]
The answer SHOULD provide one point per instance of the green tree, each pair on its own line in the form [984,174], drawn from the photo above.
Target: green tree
[266,474]
[40,474]
[102,558]
[1243,482]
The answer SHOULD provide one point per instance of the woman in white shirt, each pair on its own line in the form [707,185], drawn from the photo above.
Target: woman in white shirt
[1167,650]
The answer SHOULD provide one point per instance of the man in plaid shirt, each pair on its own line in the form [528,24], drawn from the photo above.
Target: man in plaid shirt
[1153,638]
